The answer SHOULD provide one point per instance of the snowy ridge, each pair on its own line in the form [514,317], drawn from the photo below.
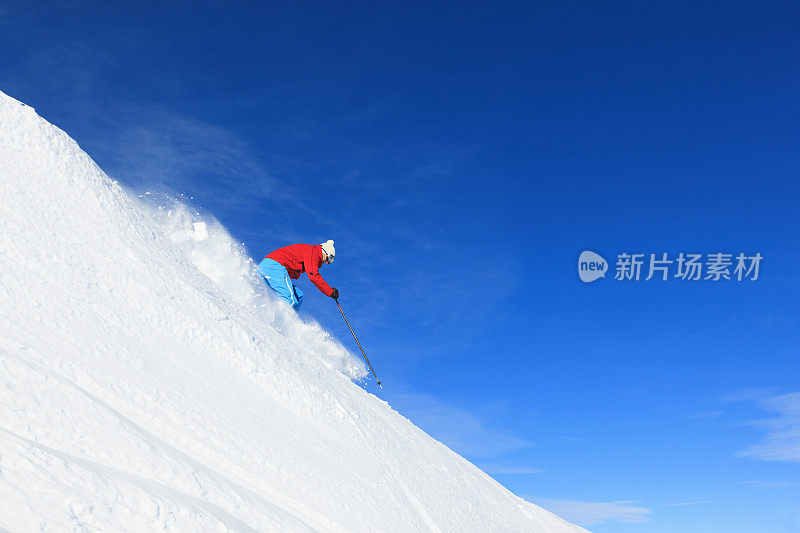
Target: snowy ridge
[146,382]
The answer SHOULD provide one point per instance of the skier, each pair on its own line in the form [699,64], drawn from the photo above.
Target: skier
[287,263]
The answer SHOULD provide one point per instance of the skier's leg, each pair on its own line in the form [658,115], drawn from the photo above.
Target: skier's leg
[277,278]
[299,295]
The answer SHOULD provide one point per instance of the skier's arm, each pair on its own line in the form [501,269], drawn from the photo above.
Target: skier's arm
[312,268]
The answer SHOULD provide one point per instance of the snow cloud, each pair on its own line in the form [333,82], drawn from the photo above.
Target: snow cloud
[764,484]
[595,513]
[157,145]
[781,441]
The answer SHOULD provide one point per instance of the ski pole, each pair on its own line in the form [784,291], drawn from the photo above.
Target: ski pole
[359,344]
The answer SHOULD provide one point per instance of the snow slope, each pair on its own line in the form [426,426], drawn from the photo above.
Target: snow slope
[147,382]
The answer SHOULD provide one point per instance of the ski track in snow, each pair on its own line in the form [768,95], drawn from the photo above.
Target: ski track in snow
[148,380]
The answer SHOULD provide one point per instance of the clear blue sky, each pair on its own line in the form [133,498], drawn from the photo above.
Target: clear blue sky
[462,155]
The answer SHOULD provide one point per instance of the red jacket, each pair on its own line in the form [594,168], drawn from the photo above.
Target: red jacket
[298,258]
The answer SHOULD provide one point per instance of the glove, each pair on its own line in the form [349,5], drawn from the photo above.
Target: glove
[335,294]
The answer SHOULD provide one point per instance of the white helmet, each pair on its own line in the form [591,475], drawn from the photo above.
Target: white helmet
[328,248]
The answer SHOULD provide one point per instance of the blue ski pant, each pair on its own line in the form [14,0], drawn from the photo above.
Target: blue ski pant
[277,277]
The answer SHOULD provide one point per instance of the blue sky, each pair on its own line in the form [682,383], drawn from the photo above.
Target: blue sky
[462,156]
